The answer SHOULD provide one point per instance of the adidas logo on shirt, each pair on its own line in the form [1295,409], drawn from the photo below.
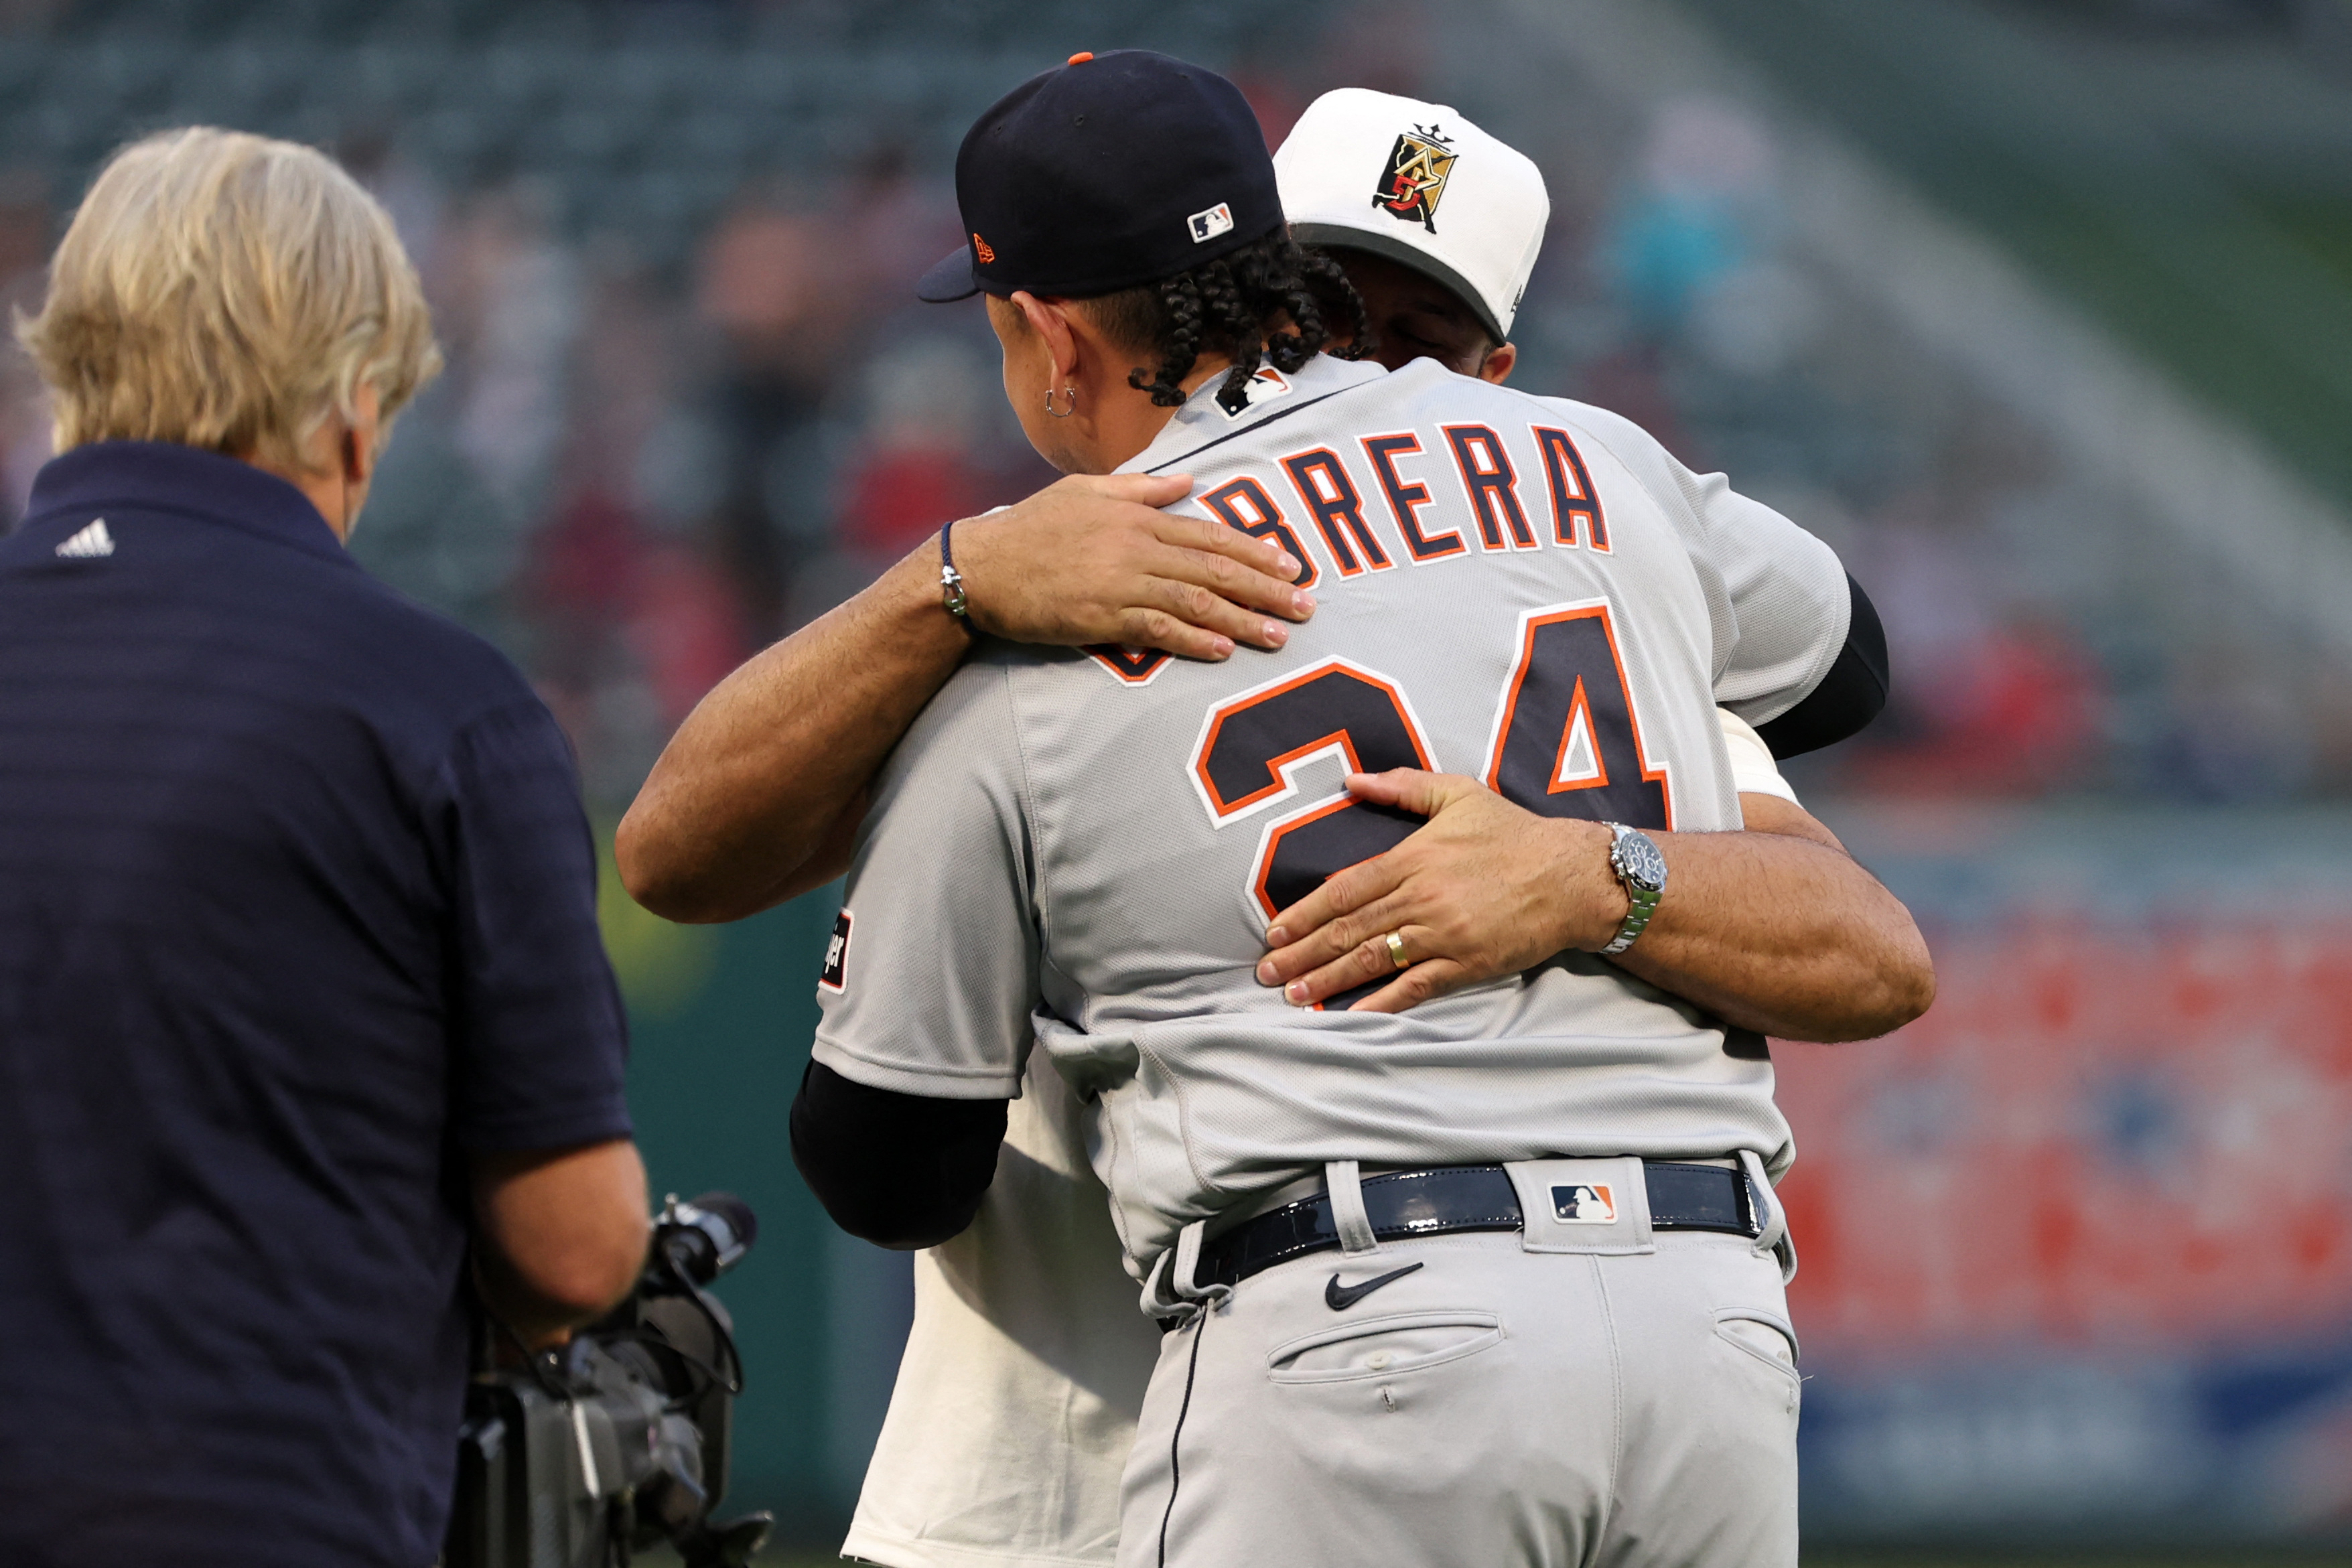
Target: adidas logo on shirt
[93,540]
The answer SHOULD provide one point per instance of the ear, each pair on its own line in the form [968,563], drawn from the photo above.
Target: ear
[1496,366]
[362,441]
[1049,319]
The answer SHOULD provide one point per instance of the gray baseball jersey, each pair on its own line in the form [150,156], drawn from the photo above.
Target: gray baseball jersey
[1081,849]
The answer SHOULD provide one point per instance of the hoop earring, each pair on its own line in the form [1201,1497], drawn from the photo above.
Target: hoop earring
[1062,413]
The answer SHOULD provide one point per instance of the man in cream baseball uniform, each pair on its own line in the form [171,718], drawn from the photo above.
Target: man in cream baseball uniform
[1015,1402]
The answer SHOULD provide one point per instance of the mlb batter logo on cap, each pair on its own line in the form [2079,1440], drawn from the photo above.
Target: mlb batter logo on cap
[1414,182]
[1583,1204]
[1207,225]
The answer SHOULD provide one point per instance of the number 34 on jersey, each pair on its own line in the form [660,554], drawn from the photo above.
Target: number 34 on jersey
[1566,742]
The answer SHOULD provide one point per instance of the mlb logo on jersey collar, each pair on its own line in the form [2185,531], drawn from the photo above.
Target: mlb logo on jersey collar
[1262,388]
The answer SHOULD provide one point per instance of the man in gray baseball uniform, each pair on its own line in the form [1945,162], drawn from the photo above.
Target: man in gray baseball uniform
[1080,850]
[1016,1401]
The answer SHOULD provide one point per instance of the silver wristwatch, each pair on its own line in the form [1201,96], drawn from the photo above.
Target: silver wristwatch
[1642,869]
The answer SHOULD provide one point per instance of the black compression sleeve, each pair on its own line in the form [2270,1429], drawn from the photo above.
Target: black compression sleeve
[1849,696]
[899,1170]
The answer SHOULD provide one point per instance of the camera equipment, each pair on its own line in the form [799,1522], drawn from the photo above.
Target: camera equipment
[619,1439]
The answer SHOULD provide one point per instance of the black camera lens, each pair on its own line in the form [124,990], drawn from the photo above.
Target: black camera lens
[706,1236]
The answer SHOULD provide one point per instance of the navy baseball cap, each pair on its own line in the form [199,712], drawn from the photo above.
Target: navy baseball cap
[1107,172]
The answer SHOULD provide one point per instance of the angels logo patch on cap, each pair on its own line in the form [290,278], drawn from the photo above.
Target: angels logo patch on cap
[1414,180]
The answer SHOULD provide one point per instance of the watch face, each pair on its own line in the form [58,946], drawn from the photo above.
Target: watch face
[1639,859]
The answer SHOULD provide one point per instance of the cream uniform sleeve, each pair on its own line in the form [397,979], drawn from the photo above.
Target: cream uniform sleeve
[1753,771]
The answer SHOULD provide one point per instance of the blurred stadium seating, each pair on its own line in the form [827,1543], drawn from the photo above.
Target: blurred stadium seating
[667,241]
[2040,313]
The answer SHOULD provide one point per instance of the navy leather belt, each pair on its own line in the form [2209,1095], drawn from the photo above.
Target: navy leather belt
[1405,1204]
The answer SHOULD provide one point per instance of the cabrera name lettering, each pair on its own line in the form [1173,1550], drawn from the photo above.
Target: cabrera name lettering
[1365,504]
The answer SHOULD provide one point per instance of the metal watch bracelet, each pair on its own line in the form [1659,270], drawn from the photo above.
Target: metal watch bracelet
[1641,869]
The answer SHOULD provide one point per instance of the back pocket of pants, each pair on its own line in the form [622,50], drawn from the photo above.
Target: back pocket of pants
[1383,1347]
[1769,1338]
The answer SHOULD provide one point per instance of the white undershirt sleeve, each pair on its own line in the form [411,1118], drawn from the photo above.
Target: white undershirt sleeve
[1753,771]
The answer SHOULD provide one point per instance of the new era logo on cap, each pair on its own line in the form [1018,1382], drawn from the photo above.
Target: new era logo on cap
[1583,1204]
[1207,225]
[93,540]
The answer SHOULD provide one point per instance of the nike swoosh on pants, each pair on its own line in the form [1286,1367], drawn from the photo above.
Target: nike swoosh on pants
[1340,1297]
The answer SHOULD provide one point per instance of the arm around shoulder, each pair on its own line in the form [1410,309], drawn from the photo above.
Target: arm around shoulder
[756,797]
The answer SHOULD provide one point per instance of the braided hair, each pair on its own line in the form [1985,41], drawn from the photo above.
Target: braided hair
[1269,300]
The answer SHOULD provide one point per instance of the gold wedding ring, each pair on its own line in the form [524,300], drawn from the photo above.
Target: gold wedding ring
[1396,950]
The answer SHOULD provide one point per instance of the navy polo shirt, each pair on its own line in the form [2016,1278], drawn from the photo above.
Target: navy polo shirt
[297,910]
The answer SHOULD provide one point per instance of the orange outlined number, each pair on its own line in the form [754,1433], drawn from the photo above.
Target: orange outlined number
[1567,741]
[1133,666]
[1252,743]
[1252,746]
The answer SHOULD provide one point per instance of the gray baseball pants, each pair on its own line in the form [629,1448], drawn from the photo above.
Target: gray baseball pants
[1568,1397]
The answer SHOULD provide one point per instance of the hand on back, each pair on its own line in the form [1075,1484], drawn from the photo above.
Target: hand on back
[1485,889]
[1092,559]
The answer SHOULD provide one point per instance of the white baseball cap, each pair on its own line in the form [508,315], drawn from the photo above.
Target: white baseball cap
[1418,183]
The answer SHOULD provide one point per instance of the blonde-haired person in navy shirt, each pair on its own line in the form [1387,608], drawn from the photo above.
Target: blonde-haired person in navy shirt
[300,977]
